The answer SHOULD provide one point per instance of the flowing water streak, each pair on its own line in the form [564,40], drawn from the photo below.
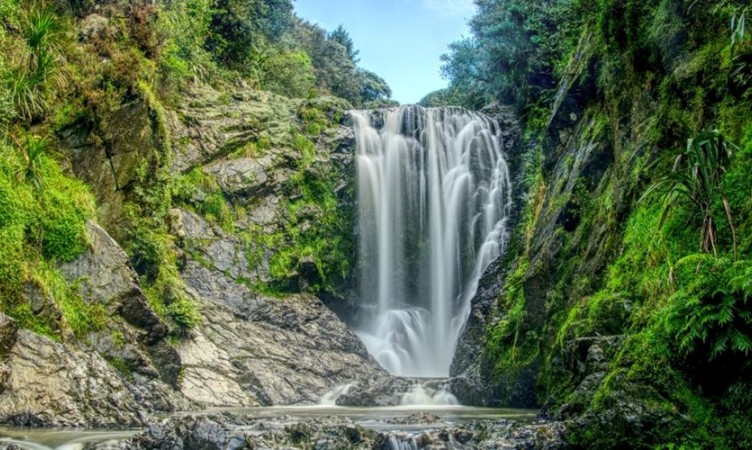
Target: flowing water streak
[433,199]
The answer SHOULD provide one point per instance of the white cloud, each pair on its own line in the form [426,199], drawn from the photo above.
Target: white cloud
[451,7]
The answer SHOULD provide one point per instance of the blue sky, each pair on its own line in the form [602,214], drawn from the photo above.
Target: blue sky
[400,40]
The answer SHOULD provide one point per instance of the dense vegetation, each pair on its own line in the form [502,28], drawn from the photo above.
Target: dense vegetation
[636,224]
[68,67]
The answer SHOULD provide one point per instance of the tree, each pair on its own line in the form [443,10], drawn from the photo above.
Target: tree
[444,97]
[239,25]
[335,70]
[372,86]
[507,58]
[463,67]
[288,73]
[341,36]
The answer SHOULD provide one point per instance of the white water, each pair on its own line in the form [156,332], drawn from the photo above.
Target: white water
[330,398]
[433,199]
[421,395]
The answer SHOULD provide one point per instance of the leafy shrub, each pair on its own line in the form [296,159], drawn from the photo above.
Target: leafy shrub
[44,32]
[711,313]
[697,177]
[288,73]
[187,25]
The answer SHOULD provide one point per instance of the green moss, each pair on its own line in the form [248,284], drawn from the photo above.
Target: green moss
[200,192]
[510,343]
[65,206]
[316,227]
[168,298]
[314,120]
[27,319]
[122,366]
[42,222]
[81,317]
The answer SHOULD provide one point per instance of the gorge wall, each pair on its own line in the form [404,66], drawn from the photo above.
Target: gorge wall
[604,309]
[260,220]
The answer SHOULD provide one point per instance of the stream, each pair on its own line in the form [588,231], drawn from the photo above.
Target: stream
[385,419]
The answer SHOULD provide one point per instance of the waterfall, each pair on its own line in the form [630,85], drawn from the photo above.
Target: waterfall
[433,199]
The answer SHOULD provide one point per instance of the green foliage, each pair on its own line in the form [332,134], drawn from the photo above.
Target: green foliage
[81,317]
[334,68]
[710,314]
[314,122]
[697,177]
[32,76]
[444,97]
[32,151]
[373,87]
[335,62]
[342,37]
[464,68]
[200,192]
[508,56]
[739,27]
[51,208]
[64,213]
[23,314]
[288,73]
[38,228]
[630,75]
[187,23]
[239,26]
[168,298]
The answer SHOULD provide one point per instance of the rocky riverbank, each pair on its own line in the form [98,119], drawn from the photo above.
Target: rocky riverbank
[233,431]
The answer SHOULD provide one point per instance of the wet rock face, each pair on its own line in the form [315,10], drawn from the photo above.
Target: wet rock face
[256,147]
[106,277]
[270,351]
[51,384]
[250,349]
[75,382]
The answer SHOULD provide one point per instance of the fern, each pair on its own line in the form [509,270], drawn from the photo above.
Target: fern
[710,311]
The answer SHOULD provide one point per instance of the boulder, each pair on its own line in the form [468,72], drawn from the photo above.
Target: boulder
[271,351]
[104,276]
[52,384]
[242,177]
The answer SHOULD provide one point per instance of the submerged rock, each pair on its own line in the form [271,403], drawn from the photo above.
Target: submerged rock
[417,419]
[230,431]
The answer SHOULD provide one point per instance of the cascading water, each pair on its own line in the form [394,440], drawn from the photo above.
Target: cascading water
[433,199]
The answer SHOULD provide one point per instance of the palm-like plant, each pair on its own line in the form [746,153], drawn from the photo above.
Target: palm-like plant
[32,150]
[697,176]
[42,29]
